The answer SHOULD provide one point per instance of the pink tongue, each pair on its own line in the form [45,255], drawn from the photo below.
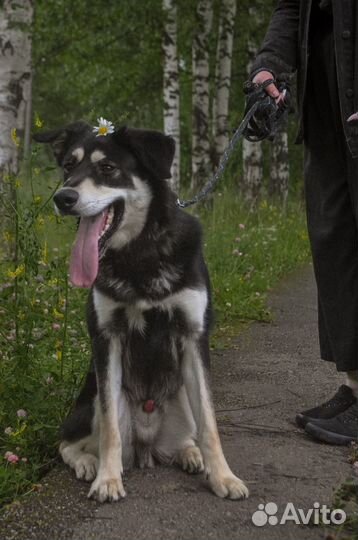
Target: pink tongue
[84,257]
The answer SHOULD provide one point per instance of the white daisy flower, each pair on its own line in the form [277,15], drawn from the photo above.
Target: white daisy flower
[105,127]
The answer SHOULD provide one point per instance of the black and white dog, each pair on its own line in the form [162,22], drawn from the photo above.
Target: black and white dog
[146,396]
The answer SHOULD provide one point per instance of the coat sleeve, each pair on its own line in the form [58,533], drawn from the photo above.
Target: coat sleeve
[279,50]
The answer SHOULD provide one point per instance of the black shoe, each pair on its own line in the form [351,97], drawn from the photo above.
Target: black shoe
[340,402]
[342,429]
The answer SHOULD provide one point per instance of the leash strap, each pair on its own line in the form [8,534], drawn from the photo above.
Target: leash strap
[261,118]
[211,184]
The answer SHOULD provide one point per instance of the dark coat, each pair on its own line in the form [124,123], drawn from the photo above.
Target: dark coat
[285,50]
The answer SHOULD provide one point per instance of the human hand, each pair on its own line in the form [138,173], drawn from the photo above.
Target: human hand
[271,89]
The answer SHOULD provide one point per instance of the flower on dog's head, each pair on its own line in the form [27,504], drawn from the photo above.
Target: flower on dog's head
[105,127]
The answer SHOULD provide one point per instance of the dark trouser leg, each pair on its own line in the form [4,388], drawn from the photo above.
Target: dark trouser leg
[331,183]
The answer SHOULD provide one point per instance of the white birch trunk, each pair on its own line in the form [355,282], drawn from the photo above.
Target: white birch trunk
[252,155]
[15,77]
[223,77]
[171,86]
[279,166]
[201,166]
[252,159]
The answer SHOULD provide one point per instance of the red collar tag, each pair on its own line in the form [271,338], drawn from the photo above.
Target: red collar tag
[149,406]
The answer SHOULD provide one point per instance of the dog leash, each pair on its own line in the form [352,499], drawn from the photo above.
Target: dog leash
[261,120]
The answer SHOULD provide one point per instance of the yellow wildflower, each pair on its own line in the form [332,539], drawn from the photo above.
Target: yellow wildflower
[40,222]
[37,199]
[59,355]
[8,237]
[17,183]
[44,258]
[17,272]
[57,314]
[22,428]
[14,137]
[38,122]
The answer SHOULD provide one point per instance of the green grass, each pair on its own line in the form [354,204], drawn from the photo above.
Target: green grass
[248,252]
[346,497]
[44,348]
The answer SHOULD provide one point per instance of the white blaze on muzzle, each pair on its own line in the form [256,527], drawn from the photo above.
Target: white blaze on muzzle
[93,198]
[95,207]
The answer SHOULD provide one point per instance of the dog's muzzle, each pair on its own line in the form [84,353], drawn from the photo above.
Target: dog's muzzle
[65,199]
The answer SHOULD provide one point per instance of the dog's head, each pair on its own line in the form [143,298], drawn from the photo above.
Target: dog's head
[109,182]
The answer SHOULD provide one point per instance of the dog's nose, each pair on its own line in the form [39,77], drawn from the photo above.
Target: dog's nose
[65,199]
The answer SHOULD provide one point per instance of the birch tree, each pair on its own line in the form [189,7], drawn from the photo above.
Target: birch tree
[171,86]
[279,165]
[15,78]
[201,166]
[252,155]
[252,158]
[223,77]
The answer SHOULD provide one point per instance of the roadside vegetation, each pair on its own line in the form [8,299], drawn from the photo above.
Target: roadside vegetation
[346,497]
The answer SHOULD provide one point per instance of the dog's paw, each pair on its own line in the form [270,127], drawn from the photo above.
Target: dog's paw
[86,467]
[228,485]
[191,460]
[107,489]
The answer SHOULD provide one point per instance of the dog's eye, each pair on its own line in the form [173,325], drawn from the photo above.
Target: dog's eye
[106,168]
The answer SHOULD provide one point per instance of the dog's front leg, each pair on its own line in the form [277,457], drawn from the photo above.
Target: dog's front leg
[108,484]
[222,481]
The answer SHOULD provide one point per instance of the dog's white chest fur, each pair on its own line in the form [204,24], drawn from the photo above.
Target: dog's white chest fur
[191,302]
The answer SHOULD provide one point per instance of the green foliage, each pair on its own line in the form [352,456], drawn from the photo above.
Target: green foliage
[248,252]
[105,58]
[43,340]
[347,498]
[98,58]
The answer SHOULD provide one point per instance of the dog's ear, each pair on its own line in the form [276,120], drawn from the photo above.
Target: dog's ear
[153,149]
[61,139]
